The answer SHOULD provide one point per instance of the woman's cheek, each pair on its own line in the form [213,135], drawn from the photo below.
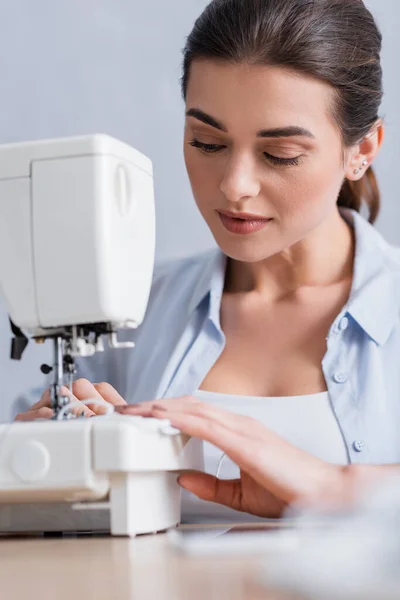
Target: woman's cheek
[203,181]
[301,203]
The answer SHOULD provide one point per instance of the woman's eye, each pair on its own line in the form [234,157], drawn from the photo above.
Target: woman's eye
[208,148]
[278,160]
[275,160]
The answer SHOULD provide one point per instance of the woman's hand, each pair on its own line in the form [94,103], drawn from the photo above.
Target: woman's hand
[274,473]
[82,389]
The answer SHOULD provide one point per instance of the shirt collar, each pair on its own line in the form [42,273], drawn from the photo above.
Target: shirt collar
[374,296]
[373,301]
[210,283]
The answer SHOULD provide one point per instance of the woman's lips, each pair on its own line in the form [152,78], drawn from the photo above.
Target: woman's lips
[242,226]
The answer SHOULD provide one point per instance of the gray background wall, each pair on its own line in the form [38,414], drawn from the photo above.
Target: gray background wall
[113,66]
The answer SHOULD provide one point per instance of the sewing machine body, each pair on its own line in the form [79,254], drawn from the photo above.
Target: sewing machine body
[77,243]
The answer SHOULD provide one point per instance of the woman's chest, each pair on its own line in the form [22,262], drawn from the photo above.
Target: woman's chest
[274,352]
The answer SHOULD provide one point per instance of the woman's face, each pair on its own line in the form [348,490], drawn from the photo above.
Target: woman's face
[270,149]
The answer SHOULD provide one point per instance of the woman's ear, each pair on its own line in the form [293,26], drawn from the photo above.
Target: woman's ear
[363,154]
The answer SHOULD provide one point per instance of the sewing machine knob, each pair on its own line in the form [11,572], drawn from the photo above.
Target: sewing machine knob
[30,461]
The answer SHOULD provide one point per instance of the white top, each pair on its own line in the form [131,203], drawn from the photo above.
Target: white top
[307,422]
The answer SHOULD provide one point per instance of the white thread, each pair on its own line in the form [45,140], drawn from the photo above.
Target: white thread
[221,460]
[99,401]
[169,430]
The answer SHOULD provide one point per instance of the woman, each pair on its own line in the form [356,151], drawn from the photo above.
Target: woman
[281,347]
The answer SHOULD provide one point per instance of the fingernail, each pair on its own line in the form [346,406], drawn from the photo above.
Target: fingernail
[179,482]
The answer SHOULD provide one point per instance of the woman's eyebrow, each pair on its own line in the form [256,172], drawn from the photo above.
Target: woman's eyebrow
[290,131]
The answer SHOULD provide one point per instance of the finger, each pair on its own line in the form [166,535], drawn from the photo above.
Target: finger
[237,442]
[210,488]
[41,413]
[233,443]
[144,408]
[45,401]
[110,394]
[75,406]
[83,389]
[228,419]
[203,427]
[284,470]
[193,406]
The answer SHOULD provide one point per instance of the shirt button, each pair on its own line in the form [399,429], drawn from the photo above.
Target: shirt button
[340,377]
[359,445]
[341,325]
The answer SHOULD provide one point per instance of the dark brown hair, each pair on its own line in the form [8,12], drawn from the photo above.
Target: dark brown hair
[336,41]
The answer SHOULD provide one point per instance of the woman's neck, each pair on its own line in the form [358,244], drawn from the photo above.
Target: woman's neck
[324,258]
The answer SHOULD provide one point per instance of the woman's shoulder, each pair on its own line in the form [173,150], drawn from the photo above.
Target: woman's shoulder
[375,254]
[393,256]
[387,260]
[182,275]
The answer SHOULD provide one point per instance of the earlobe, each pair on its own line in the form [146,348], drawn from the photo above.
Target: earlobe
[361,168]
[357,167]
[366,152]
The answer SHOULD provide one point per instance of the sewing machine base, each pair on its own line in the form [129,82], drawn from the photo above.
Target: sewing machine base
[114,473]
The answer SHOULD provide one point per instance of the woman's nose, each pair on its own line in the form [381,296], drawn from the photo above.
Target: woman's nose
[240,181]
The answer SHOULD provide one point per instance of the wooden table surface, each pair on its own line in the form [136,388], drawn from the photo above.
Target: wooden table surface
[143,568]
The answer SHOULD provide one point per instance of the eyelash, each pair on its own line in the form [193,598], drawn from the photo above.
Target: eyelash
[276,160]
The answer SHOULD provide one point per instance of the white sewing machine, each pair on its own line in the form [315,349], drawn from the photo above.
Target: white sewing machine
[77,238]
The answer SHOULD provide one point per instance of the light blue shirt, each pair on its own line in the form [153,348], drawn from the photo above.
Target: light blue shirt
[181,339]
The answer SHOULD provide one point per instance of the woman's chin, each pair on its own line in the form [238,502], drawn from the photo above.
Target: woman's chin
[248,252]
[249,247]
